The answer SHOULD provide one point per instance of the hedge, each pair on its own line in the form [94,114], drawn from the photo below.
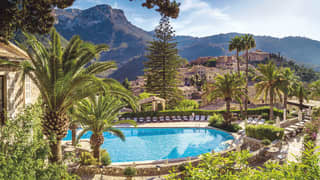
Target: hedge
[253,111]
[262,132]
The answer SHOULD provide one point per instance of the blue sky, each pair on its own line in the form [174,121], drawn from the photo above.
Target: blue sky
[201,18]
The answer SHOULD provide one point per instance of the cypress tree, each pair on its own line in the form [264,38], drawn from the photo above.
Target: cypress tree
[161,68]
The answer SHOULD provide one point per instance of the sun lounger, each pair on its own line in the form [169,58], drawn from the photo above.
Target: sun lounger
[185,118]
[168,118]
[255,121]
[135,119]
[197,118]
[208,117]
[154,119]
[174,118]
[191,118]
[261,121]
[148,119]
[179,118]
[161,118]
[203,118]
[141,119]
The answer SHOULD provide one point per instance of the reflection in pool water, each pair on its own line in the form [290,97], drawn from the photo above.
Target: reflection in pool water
[143,144]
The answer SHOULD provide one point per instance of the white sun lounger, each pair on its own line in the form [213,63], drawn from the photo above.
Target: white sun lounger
[154,118]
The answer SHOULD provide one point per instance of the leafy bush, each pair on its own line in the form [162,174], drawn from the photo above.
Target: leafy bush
[270,122]
[264,132]
[235,166]
[105,158]
[217,120]
[187,104]
[254,111]
[130,171]
[87,158]
[23,155]
[265,115]
[266,142]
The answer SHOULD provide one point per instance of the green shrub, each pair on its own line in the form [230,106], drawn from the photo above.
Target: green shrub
[24,155]
[254,111]
[87,158]
[264,132]
[105,157]
[270,122]
[182,167]
[130,171]
[265,115]
[187,104]
[266,142]
[217,121]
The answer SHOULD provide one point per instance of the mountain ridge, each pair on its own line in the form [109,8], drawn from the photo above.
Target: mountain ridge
[103,24]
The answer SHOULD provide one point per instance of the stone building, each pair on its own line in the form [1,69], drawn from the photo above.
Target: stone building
[15,93]
[257,55]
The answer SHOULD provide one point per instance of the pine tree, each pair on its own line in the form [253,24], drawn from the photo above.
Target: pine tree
[161,68]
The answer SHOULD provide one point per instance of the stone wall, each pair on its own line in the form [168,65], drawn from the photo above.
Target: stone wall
[252,143]
[142,170]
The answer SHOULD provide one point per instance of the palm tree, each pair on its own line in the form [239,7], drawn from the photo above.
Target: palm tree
[236,43]
[98,115]
[64,76]
[248,43]
[288,81]
[301,93]
[269,83]
[228,87]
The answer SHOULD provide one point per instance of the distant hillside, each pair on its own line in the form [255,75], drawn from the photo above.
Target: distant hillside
[102,24]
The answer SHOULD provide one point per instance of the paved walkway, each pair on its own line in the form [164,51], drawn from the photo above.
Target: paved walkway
[294,147]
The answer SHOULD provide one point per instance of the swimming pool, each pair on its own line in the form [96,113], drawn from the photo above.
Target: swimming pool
[146,144]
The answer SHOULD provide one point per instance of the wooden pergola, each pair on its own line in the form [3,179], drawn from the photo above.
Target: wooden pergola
[155,101]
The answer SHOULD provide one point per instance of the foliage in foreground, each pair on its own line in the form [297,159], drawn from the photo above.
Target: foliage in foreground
[24,152]
[235,166]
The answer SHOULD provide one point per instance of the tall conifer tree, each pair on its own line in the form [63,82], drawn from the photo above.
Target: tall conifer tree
[161,68]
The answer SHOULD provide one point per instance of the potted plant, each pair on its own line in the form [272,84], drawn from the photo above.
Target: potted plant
[129,172]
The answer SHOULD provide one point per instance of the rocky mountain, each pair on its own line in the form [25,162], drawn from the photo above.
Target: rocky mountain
[103,24]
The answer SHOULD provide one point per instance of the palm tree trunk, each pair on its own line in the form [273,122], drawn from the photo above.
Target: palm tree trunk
[271,105]
[238,68]
[301,104]
[238,63]
[96,152]
[96,140]
[74,136]
[246,90]
[55,124]
[285,104]
[228,116]
[285,101]
[56,151]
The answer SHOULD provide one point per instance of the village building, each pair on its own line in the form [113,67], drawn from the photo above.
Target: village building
[15,93]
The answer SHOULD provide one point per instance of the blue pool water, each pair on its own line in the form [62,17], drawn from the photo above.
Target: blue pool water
[143,144]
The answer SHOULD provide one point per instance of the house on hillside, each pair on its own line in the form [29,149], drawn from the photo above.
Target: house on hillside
[13,94]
